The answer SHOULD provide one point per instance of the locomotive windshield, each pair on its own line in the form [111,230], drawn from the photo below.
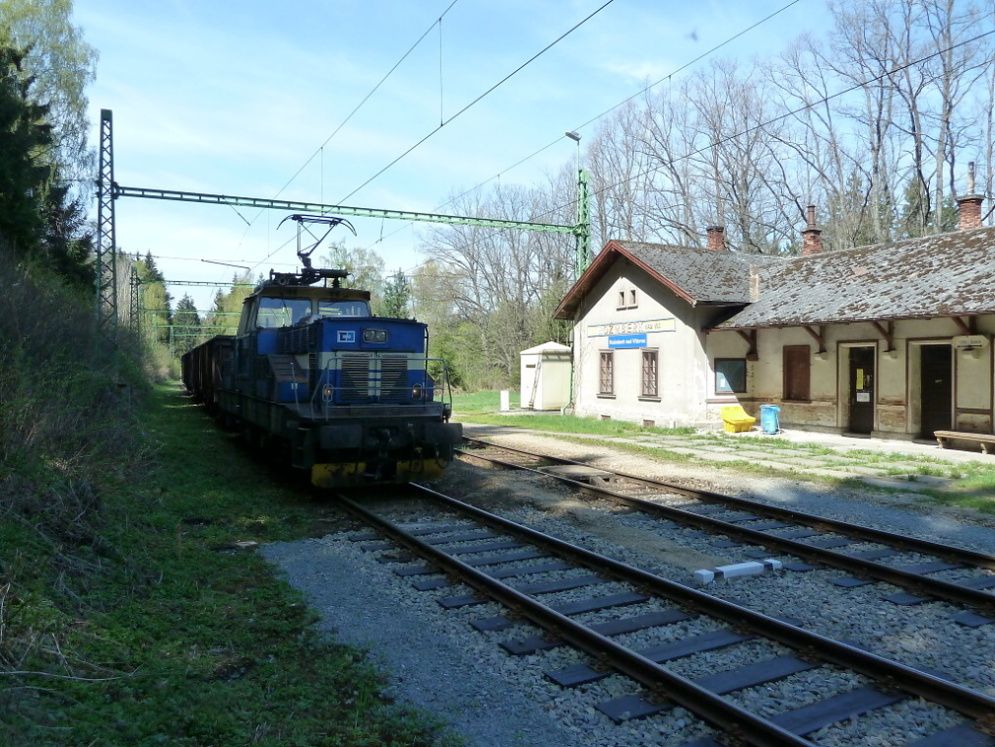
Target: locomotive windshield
[343,308]
[281,312]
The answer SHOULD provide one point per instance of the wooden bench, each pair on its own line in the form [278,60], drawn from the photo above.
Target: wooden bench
[986,440]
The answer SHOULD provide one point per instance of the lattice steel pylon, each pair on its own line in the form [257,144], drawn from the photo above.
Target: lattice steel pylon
[105,271]
[134,323]
[582,230]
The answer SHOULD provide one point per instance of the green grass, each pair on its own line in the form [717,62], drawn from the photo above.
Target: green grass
[480,402]
[972,484]
[181,639]
[483,407]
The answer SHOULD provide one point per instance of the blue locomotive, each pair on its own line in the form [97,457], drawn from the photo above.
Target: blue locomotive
[311,371]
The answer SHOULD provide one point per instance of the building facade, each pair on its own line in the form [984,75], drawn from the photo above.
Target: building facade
[889,339]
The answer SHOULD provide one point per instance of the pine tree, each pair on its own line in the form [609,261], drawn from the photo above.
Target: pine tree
[24,137]
[186,325]
[396,296]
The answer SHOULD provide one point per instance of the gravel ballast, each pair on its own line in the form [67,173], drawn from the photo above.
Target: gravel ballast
[434,659]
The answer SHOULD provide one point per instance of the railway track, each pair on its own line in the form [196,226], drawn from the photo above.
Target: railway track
[501,560]
[813,538]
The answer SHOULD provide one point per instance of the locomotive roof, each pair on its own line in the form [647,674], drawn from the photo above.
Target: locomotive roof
[272,290]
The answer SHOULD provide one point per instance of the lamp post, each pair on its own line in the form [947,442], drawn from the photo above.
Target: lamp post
[582,230]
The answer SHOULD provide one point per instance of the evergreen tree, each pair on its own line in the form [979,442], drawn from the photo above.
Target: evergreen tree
[396,296]
[68,241]
[24,137]
[186,325]
[39,219]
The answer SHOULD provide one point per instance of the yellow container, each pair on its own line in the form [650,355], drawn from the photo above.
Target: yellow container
[736,420]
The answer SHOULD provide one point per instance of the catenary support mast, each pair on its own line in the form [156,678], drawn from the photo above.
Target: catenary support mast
[108,191]
[105,271]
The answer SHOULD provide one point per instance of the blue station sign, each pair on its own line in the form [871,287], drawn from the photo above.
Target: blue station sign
[627,341]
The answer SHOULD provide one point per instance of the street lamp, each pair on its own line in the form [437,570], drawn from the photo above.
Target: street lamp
[575,136]
[583,258]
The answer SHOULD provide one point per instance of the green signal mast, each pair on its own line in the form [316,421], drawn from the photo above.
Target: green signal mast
[108,191]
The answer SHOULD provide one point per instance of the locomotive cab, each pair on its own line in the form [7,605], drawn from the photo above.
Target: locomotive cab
[352,397]
[349,393]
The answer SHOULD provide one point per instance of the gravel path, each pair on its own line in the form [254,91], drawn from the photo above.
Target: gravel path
[426,661]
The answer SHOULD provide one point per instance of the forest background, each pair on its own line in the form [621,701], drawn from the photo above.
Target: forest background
[874,122]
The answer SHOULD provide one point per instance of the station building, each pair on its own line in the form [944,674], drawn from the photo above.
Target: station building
[893,340]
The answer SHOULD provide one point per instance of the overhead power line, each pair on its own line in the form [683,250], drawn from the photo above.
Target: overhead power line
[483,95]
[778,118]
[607,111]
[367,97]
[320,149]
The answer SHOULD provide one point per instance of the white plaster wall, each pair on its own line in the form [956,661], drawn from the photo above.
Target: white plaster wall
[527,375]
[681,364]
[897,375]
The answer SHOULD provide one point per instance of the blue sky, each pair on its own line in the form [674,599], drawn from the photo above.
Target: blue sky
[235,97]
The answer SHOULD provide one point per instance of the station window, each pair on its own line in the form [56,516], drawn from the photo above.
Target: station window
[797,372]
[730,375]
[606,374]
[650,378]
[632,299]
[621,300]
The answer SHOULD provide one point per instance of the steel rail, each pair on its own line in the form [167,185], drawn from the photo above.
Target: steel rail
[956,697]
[713,708]
[981,560]
[936,587]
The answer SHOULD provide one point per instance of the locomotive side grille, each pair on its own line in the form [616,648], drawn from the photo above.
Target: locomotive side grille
[354,378]
[393,376]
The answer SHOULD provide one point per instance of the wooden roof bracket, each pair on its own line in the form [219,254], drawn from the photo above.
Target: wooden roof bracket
[750,336]
[967,326]
[820,336]
[887,331]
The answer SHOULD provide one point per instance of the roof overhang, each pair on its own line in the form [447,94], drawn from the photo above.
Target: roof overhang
[823,322]
[611,251]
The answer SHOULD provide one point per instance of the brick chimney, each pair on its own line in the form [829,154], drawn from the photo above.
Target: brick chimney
[716,238]
[969,206]
[811,236]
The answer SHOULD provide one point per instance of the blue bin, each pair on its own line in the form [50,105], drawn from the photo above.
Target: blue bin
[770,419]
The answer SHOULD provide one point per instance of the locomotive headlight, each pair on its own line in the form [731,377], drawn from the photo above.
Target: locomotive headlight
[326,393]
[416,391]
[374,335]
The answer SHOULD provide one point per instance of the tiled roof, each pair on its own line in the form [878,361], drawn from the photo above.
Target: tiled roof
[946,275]
[952,274]
[698,276]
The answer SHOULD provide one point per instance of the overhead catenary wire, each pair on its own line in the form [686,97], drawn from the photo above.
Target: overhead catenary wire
[482,96]
[464,109]
[320,149]
[774,120]
[607,111]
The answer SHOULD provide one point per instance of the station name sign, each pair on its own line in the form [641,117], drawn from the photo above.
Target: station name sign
[632,328]
[627,341]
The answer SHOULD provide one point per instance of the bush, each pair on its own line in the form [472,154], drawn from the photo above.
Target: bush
[67,417]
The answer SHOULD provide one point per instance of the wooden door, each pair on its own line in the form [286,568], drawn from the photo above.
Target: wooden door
[937,389]
[797,373]
[861,390]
